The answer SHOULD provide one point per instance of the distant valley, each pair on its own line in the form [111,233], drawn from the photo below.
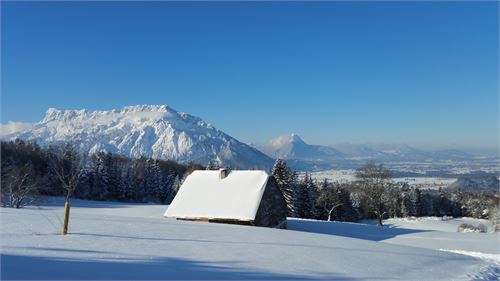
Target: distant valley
[160,131]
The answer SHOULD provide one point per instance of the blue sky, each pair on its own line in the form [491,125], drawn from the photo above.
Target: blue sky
[420,73]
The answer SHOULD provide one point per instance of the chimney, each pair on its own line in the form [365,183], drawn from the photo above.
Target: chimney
[223,173]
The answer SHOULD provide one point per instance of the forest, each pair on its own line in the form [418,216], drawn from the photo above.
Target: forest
[28,168]
[373,195]
[30,172]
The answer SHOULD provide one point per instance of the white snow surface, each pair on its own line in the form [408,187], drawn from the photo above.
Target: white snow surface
[348,175]
[134,241]
[205,195]
[492,257]
[157,131]
[443,224]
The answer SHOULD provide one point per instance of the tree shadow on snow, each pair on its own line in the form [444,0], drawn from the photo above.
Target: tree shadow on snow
[17,267]
[80,203]
[346,229]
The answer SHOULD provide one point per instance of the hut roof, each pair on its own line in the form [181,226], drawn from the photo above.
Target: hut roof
[205,195]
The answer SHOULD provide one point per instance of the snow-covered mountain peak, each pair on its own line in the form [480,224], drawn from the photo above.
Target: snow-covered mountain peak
[138,114]
[56,114]
[296,138]
[148,108]
[292,147]
[284,141]
[157,131]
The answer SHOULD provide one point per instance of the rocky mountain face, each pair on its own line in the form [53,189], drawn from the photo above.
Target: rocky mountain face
[161,132]
[156,131]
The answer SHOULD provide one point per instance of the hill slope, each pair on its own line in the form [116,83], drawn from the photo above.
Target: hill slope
[133,241]
[476,183]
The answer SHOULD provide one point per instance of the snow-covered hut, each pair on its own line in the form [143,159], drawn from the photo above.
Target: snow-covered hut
[224,196]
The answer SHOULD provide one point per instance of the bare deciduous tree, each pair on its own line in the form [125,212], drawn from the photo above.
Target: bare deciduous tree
[374,180]
[19,186]
[329,198]
[67,166]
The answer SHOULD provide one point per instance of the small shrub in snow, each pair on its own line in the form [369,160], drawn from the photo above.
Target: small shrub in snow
[465,227]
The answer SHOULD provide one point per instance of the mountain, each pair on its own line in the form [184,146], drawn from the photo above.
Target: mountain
[303,156]
[476,183]
[384,152]
[156,131]
[399,153]
[293,147]
[299,154]
[451,154]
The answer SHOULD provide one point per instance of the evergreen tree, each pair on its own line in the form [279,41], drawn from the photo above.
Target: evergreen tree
[153,180]
[348,212]
[105,176]
[285,179]
[316,210]
[302,198]
[102,176]
[167,187]
[416,202]
[175,186]
[140,179]
[213,165]
[407,208]
[114,176]
[126,185]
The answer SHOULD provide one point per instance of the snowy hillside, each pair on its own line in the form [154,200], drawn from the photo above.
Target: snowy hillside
[480,182]
[134,241]
[156,131]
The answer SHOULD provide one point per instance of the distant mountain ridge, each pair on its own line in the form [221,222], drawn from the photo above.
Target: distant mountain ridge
[293,147]
[160,131]
[476,183]
[400,152]
[156,131]
[301,155]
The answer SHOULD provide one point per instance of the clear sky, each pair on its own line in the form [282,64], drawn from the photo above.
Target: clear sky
[420,73]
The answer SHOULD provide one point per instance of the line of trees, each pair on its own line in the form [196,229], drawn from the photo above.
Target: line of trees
[373,195]
[29,170]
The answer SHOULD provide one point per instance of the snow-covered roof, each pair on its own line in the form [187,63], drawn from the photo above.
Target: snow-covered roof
[205,195]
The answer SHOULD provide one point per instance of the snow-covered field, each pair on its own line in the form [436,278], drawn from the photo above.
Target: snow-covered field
[426,182]
[134,241]
[347,175]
